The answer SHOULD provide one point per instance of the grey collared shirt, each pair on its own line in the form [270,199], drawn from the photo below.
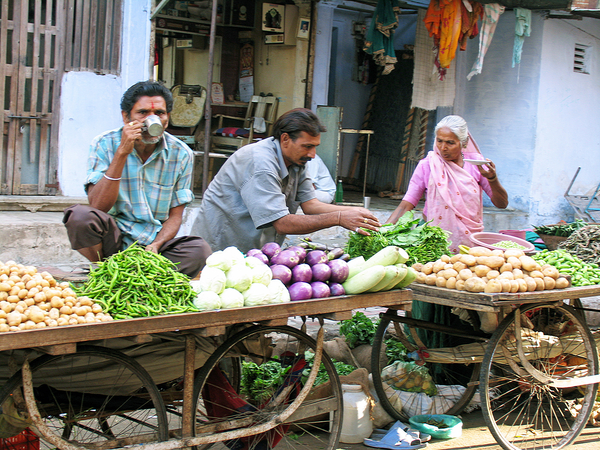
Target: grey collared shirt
[253,189]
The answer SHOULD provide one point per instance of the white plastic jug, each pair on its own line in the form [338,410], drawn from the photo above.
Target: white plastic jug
[356,423]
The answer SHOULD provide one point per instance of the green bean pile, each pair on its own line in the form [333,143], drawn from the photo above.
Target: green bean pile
[582,273]
[137,283]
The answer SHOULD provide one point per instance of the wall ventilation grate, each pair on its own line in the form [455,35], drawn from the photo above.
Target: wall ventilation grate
[580,61]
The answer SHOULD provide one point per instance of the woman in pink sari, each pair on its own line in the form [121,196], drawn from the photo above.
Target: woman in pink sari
[452,186]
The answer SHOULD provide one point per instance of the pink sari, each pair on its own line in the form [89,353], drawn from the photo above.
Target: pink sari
[454,197]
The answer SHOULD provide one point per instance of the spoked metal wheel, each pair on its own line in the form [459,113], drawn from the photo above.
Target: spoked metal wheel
[535,371]
[253,377]
[455,378]
[96,395]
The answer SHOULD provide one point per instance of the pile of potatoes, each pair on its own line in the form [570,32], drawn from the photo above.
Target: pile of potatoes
[30,300]
[490,271]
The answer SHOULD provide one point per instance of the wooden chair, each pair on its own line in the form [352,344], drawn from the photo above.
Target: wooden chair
[228,139]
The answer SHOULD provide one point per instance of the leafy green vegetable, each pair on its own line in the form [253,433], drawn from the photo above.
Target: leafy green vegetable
[322,376]
[366,246]
[432,244]
[358,330]
[395,350]
[259,382]
[423,243]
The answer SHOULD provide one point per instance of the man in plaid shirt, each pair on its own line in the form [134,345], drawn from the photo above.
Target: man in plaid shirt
[137,186]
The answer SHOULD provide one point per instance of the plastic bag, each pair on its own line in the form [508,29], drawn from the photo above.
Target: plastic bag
[409,377]
[12,421]
[416,403]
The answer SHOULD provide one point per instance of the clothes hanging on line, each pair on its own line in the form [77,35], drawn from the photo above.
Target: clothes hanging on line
[492,12]
[522,30]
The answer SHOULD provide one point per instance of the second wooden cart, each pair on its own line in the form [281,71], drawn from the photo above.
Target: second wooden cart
[536,374]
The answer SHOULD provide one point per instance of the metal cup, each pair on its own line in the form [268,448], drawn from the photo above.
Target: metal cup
[367,202]
[153,126]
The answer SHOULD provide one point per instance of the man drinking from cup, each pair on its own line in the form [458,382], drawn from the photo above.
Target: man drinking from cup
[138,183]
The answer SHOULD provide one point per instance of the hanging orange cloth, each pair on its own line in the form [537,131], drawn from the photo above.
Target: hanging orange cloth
[443,21]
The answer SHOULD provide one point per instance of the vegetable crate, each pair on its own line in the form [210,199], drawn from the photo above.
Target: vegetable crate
[26,440]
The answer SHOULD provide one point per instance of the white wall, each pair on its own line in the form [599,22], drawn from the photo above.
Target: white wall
[568,117]
[90,103]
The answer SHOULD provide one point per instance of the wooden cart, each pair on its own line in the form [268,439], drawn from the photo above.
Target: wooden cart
[536,374]
[175,381]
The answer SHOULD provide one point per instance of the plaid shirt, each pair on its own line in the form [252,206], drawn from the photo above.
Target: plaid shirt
[148,190]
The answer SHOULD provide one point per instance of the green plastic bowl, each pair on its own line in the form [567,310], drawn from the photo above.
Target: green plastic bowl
[454,429]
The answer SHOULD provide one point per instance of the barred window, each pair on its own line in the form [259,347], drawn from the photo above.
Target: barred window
[94,35]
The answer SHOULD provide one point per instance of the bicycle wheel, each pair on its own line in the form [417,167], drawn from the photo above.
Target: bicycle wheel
[527,406]
[96,395]
[455,382]
[230,387]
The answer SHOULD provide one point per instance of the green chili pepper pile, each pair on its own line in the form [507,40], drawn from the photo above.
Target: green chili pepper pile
[137,283]
[582,273]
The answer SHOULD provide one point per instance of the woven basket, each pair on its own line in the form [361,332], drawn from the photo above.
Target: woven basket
[552,241]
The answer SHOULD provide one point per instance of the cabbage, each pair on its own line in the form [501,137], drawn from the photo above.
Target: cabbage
[212,279]
[257,294]
[231,298]
[219,260]
[262,274]
[239,277]
[207,300]
[196,286]
[278,293]
[253,262]
[234,255]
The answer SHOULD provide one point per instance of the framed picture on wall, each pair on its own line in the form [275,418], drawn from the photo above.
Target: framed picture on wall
[303,28]
[272,17]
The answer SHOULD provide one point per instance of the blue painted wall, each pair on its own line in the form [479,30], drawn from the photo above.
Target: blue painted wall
[500,105]
[538,121]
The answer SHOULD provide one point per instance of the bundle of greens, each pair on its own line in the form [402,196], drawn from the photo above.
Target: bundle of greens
[323,376]
[260,382]
[423,243]
[358,330]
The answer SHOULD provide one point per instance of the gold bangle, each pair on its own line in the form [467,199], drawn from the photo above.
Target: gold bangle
[493,179]
[339,217]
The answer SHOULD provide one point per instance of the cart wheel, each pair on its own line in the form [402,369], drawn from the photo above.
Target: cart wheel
[456,382]
[222,392]
[521,411]
[95,395]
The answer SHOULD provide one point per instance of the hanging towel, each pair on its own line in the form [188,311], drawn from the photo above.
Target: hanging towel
[379,39]
[491,15]
[429,91]
[522,30]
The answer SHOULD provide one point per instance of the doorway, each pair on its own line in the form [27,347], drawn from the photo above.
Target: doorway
[29,84]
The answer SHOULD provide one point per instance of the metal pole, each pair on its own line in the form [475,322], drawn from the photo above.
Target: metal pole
[208,108]
[366,165]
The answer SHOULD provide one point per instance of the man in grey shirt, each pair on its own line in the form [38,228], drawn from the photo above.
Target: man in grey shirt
[254,197]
